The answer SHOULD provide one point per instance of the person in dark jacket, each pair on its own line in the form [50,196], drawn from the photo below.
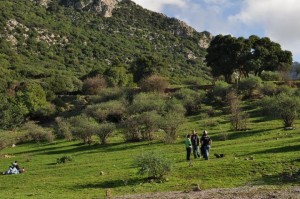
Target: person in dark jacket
[195,144]
[205,144]
[188,146]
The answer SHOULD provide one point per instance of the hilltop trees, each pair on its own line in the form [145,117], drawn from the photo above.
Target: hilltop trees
[227,54]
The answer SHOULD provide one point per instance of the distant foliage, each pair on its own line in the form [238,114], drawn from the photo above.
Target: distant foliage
[64,128]
[268,89]
[153,165]
[144,102]
[270,76]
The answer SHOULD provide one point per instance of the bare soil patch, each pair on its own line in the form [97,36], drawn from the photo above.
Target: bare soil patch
[248,192]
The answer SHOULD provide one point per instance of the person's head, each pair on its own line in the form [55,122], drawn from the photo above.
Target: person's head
[205,132]
[193,132]
[188,135]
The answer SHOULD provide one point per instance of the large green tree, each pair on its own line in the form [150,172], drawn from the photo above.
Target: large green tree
[227,54]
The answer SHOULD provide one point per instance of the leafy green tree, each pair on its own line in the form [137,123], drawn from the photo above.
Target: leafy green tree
[32,96]
[145,66]
[227,54]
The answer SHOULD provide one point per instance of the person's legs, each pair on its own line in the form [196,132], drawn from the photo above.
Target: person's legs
[188,153]
[195,151]
[198,152]
[206,152]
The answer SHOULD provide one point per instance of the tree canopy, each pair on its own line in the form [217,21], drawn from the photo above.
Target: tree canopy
[227,54]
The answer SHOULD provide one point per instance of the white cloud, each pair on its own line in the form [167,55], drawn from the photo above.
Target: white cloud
[279,20]
[157,5]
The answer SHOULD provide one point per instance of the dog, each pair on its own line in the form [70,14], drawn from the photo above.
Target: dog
[219,155]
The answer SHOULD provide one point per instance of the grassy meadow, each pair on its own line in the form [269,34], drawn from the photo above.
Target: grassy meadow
[257,156]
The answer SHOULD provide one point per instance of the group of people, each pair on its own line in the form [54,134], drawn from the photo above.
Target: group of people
[14,168]
[193,142]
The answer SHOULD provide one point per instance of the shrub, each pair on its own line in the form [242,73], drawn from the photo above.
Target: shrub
[270,76]
[144,102]
[64,159]
[153,165]
[112,111]
[149,123]
[94,85]
[170,123]
[83,127]
[37,133]
[285,89]
[190,99]
[64,128]
[283,106]
[248,85]
[219,91]
[154,83]
[105,130]
[238,118]
[268,89]
[132,131]
[108,94]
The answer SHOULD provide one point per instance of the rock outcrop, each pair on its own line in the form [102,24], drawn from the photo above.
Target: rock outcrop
[205,39]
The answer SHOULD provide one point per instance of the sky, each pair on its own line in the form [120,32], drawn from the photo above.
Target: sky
[277,19]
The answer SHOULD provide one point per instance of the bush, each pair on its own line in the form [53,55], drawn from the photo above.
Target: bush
[64,128]
[105,130]
[190,99]
[153,165]
[170,123]
[149,123]
[268,89]
[154,83]
[83,127]
[94,85]
[144,102]
[248,85]
[270,76]
[108,94]
[132,131]
[37,133]
[238,118]
[285,89]
[219,91]
[64,159]
[283,106]
[112,111]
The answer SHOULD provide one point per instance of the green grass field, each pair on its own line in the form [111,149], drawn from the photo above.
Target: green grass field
[258,156]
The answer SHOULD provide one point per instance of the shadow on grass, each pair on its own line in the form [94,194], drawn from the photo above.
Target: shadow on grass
[248,133]
[283,149]
[99,148]
[278,179]
[42,149]
[111,184]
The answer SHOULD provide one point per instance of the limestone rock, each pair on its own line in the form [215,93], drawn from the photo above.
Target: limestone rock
[205,39]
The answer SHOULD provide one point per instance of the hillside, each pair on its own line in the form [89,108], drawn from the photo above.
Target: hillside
[41,38]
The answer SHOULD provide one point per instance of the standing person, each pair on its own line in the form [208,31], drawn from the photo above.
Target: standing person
[205,144]
[195,144]
[188,146]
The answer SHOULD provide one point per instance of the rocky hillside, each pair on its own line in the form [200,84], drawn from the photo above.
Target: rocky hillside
[42,38]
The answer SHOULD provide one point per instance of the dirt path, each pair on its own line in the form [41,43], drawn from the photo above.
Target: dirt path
[235,193]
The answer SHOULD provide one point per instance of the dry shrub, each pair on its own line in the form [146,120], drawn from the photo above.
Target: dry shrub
[154,83]
[37,133]
[94,85]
